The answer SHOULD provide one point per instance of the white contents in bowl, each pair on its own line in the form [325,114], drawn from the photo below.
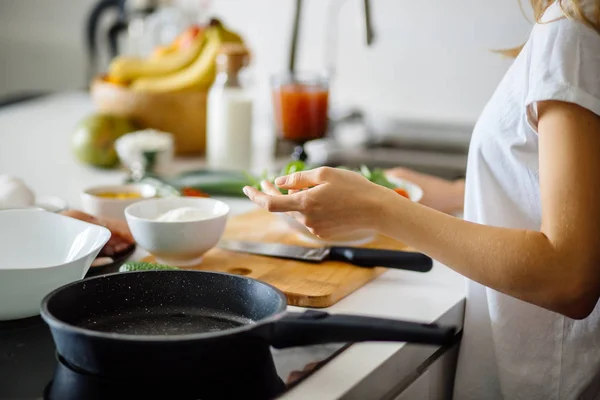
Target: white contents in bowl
[14,193]
[183,214]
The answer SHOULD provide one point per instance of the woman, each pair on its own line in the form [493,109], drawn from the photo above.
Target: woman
[530,241]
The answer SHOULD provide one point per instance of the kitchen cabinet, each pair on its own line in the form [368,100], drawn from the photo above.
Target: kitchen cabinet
[418,390]
[436,382]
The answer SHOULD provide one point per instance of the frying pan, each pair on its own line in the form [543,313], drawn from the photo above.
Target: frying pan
[145,323]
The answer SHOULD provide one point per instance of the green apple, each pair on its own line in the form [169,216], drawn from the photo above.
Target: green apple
[93,141]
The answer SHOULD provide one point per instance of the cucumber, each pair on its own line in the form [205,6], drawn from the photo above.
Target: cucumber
[163,189]
[143,266]
[214,183]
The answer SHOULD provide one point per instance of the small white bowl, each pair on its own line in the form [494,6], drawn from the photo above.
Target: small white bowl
[113,208]
[42,251]
[356,238]
[415,192]
[131,147]
[182,243]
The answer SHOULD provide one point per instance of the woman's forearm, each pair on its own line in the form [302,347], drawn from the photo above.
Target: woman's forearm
[556,268]
[457,197]
[523,264]
[438,193]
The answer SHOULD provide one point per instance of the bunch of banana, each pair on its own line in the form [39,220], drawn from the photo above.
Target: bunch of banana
[197,75]
[172,59]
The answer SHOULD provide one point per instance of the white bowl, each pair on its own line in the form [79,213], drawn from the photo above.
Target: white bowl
[42,251]
[45,203]
[131,148]
[356,238]
[181,243]
[415,192]
[51,203]
[113,208]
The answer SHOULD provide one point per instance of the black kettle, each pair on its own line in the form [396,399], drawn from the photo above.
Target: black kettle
[125,10]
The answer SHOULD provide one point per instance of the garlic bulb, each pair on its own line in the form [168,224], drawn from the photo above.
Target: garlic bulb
[14,193]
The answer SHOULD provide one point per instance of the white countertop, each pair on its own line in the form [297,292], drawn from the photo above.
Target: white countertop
[35,145]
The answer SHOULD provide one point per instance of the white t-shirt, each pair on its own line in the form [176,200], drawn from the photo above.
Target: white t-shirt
[512,349]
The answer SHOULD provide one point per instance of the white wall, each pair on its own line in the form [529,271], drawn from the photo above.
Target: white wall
[431,59]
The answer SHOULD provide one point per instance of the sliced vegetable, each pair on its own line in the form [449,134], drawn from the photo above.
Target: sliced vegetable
[191,192]
[143,266]
[378,176]
[366,172]
[402,192]
[294,166]
[206,183]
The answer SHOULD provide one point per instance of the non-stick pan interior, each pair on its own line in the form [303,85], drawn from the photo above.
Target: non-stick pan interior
[164,302]
[163,321]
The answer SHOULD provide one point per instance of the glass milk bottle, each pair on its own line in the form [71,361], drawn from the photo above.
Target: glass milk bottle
[229,113]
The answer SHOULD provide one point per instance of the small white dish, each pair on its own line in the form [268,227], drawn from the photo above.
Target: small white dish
[131,148]
[100,206]
[42,251]
[181,243]
[356,238]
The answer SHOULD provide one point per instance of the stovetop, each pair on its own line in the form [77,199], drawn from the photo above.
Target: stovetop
[28,363]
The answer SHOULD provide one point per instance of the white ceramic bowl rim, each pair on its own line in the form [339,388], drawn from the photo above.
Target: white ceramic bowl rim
[51,203]
[415,191]
[98,247]
[130,210]
[146,191]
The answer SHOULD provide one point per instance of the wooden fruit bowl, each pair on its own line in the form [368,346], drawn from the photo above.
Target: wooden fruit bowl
[183,114]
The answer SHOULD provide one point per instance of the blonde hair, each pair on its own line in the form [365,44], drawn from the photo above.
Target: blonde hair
[572,9]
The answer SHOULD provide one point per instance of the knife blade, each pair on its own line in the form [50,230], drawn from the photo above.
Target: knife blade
[358,256]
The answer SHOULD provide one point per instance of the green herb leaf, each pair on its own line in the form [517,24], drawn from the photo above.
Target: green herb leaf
[365,171]
[294,166]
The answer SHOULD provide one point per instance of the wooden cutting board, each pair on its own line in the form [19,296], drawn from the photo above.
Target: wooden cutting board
[305,284]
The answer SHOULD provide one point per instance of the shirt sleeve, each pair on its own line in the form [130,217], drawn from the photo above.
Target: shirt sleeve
[564,65]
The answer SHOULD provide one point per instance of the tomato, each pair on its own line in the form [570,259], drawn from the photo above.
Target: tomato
[191,192]
[402,192]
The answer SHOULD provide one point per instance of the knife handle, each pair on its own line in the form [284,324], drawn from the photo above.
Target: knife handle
[370,258]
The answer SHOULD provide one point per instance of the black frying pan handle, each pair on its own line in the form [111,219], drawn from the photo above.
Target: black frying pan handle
[317,327]
[394,259]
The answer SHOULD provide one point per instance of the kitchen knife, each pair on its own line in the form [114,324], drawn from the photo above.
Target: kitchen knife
[361,257]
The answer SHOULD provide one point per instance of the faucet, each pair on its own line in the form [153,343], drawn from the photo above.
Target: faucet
[349,116]
[368,30]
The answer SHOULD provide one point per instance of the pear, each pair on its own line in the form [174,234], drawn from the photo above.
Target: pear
[94,138]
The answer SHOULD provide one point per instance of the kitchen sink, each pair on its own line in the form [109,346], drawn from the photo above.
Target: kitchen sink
[435,149]
[448,166]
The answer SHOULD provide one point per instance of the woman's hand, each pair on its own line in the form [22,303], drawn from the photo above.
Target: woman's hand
[439,194]
[327,201]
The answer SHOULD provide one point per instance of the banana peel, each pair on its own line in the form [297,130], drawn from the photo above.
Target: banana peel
[162,51]
[127,69]
[200,74]
[182,41]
